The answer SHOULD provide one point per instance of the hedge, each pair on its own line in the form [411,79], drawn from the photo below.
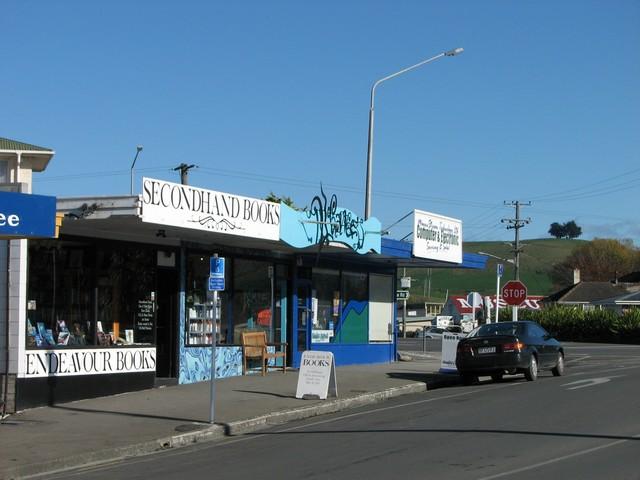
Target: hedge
[577,325]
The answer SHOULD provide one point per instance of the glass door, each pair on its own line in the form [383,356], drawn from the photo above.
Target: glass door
[304,315]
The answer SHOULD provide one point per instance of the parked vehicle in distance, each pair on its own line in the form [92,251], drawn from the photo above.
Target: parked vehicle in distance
[430,332]
[457,329]
[508,347]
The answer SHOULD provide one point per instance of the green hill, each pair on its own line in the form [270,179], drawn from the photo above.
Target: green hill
[536,262]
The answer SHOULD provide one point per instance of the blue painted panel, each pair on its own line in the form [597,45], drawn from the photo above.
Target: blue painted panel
[302,229]
[24,215]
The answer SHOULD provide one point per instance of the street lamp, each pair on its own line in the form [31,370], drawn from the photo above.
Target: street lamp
[508,260]
[367,198]
[138,150]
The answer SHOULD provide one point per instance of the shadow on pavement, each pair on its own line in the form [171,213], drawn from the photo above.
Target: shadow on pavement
[125,414]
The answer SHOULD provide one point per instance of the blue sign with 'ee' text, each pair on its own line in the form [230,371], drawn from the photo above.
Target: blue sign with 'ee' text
[23,215]
[216,274]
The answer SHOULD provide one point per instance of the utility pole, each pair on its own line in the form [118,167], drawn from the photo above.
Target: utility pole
[516,224]
[184,172]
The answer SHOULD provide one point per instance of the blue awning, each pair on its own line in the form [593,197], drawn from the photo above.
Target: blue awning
[401,252]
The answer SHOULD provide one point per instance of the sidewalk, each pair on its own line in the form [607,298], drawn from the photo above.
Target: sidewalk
[89,431]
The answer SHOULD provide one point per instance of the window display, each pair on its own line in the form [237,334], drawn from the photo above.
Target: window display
[82,293]
[326,307]
[199,304]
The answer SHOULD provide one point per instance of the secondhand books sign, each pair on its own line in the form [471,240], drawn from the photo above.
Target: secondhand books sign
[167,203]
[436,237]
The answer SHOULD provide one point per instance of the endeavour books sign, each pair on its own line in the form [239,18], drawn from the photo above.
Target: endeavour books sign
[167,203]
[54,363]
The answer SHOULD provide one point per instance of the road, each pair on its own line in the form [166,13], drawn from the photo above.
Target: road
[584,425]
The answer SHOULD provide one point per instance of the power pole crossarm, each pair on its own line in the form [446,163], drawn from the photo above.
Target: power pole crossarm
[183,168]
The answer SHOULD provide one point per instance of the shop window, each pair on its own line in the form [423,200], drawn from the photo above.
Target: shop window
[354,315]
[252,298]
[199,303]
[326,305]
[380,307]
[4,171]
[80,293]
[125,292]
[59,296]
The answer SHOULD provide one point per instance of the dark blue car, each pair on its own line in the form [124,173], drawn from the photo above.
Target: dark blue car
[508,347]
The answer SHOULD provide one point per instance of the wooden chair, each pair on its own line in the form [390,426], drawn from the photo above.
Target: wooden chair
[254,345]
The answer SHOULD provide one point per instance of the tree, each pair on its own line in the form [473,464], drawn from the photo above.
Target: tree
[572,230]
[288,201]
[566,230]
[601,259]
[557,230]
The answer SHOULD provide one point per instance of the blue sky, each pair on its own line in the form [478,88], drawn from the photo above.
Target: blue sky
[542,106]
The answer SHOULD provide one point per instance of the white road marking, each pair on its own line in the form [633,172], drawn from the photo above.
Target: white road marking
[589,382]
[558,459]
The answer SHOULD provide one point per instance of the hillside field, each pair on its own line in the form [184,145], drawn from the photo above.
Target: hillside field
[536,261]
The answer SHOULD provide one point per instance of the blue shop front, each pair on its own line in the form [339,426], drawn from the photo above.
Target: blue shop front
[128,278]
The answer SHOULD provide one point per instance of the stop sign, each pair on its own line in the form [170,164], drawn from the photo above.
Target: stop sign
[514,292]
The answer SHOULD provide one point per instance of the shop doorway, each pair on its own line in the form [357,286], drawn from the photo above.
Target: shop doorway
[166,322]
[303,317]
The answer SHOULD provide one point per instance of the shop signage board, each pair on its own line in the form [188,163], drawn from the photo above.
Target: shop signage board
[24,215]
[68,362]
[436,237]
[449,350]
[167,203]
[324,223]
[317,372]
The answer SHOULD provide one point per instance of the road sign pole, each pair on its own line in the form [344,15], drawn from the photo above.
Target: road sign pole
[404,318]
[214,322]
[499,270]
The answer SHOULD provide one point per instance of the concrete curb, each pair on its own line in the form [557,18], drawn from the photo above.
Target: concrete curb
[215,432]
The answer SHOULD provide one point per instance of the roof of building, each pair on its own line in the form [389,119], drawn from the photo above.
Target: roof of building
[8,144]
[586,292]
[632,298]
[633,277]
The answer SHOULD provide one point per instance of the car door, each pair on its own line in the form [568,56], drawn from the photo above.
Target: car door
[547,354]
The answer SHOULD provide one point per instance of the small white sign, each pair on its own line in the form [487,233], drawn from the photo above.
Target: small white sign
[321,336]
[317,370]
[436,237]
[449,350]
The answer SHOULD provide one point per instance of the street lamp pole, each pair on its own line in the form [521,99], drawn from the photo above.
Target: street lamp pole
[367,199]
[138,150]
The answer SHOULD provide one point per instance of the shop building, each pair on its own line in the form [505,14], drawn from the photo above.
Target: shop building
[120,301]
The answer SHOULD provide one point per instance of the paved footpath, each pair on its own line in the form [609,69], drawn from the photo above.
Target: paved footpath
[78,433]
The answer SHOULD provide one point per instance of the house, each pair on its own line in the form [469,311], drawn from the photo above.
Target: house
[585,294]
[620,304]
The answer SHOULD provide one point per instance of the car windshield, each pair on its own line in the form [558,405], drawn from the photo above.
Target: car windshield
[506,328]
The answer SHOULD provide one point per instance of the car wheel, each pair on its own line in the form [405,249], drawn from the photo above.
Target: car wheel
[497,377]
[558,370]
[531,373]
[468,379]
